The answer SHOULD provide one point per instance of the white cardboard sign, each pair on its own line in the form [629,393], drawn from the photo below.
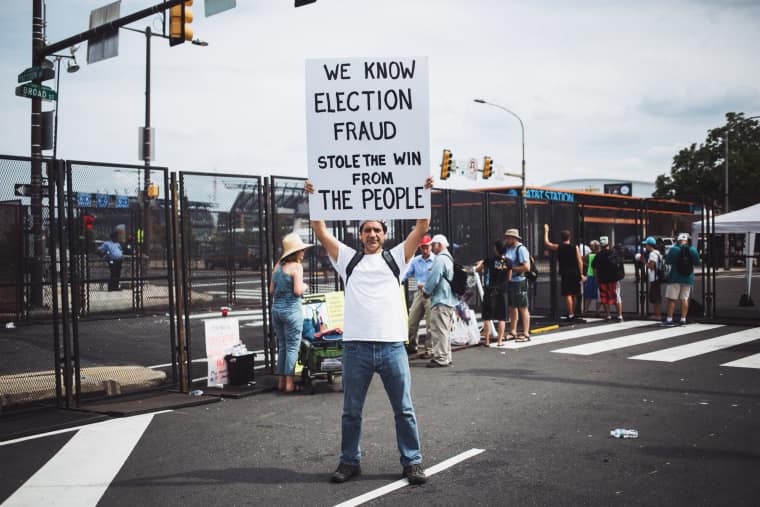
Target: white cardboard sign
[221,335]
[367,122]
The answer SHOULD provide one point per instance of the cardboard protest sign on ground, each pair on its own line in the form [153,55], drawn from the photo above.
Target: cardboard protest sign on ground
[321,312]
[367,124]
[221,335]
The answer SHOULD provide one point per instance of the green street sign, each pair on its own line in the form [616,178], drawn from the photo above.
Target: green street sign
[35,73]
[35,91]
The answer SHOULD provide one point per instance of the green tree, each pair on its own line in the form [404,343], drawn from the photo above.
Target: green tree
[698,172]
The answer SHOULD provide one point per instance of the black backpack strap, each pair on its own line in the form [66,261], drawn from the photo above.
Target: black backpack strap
[387,257]
[391,262]
[447,254]
[352,263]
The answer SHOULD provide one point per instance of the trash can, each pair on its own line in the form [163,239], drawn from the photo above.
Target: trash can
[240,368]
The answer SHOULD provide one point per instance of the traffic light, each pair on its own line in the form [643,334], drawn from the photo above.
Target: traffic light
[446,165]
[487,167]
[88,221]
[180,16]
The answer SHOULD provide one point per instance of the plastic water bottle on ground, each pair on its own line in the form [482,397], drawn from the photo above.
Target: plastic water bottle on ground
[624,433]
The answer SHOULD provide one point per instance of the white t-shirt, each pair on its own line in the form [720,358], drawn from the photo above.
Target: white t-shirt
[373,308]
[654,256]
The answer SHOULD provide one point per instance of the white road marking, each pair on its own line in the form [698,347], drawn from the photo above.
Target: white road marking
[582,332]
[366,497]
[80,473]
[701,347]
[752,361]
[635,339]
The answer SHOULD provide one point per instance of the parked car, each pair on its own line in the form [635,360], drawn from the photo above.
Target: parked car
[241,257]
[667,243]
[630,247]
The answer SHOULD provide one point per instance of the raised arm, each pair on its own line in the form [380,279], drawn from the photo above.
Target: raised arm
[580,262]
[320,229]
[420,228]
[547,243]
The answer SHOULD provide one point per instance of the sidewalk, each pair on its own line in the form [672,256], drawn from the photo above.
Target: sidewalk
[106,380]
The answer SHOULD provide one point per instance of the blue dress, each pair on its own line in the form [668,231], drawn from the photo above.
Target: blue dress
[287,320]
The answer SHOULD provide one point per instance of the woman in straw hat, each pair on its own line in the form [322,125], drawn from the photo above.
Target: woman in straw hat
[286,288]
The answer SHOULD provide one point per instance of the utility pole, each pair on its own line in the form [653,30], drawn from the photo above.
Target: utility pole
[38,43]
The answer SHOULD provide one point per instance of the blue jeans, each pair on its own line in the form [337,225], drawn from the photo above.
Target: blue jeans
[288,325]
[360,362]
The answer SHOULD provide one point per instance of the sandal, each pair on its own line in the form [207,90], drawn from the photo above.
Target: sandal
[523,338]
[297,388]
[510,336]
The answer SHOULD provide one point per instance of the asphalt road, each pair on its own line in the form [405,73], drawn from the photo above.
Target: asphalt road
[542,419]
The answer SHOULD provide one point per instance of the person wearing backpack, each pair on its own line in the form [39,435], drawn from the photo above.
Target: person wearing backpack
[438,288]
[682,259]
[607,273]
[517,286]
[654,262]
[374,332]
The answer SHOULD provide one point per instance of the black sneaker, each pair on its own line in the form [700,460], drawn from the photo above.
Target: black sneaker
[345,472]
[415,473]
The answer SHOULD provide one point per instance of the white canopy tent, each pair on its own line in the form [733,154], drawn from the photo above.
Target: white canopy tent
[746,221]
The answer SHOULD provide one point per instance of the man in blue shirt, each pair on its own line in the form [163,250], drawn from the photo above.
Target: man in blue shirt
[442,303]
[112,254]
[517,286]
[419,269]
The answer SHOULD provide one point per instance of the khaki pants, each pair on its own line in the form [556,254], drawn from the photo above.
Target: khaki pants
[439,332]
[420,307]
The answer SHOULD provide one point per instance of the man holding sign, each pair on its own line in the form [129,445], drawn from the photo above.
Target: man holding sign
[374,332]
[368,156]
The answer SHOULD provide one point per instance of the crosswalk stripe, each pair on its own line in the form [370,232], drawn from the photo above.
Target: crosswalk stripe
[636,339]
[673,354]
[577,333]
[81,472]
[752,361]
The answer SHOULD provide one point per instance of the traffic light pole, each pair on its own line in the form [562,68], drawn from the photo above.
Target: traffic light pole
[147,149]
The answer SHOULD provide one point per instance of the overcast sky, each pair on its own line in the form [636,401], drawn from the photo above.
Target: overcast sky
[605,88]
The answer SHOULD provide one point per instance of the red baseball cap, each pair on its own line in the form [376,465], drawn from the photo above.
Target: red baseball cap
[426,240]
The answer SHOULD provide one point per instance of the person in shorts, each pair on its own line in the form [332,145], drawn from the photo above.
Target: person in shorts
[517,286]
[680,279]
[606,274]
[590,287]
[495,270]
[653,260]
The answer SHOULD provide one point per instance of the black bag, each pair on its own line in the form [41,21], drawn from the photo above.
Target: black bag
[458,280]
[662,269]
[617,261]
[532,274]
[684,262]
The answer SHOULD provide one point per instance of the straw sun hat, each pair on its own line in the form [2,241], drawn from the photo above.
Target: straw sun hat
[292,243]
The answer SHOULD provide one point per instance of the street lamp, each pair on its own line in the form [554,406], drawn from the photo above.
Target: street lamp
[70,68]
[523,190]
